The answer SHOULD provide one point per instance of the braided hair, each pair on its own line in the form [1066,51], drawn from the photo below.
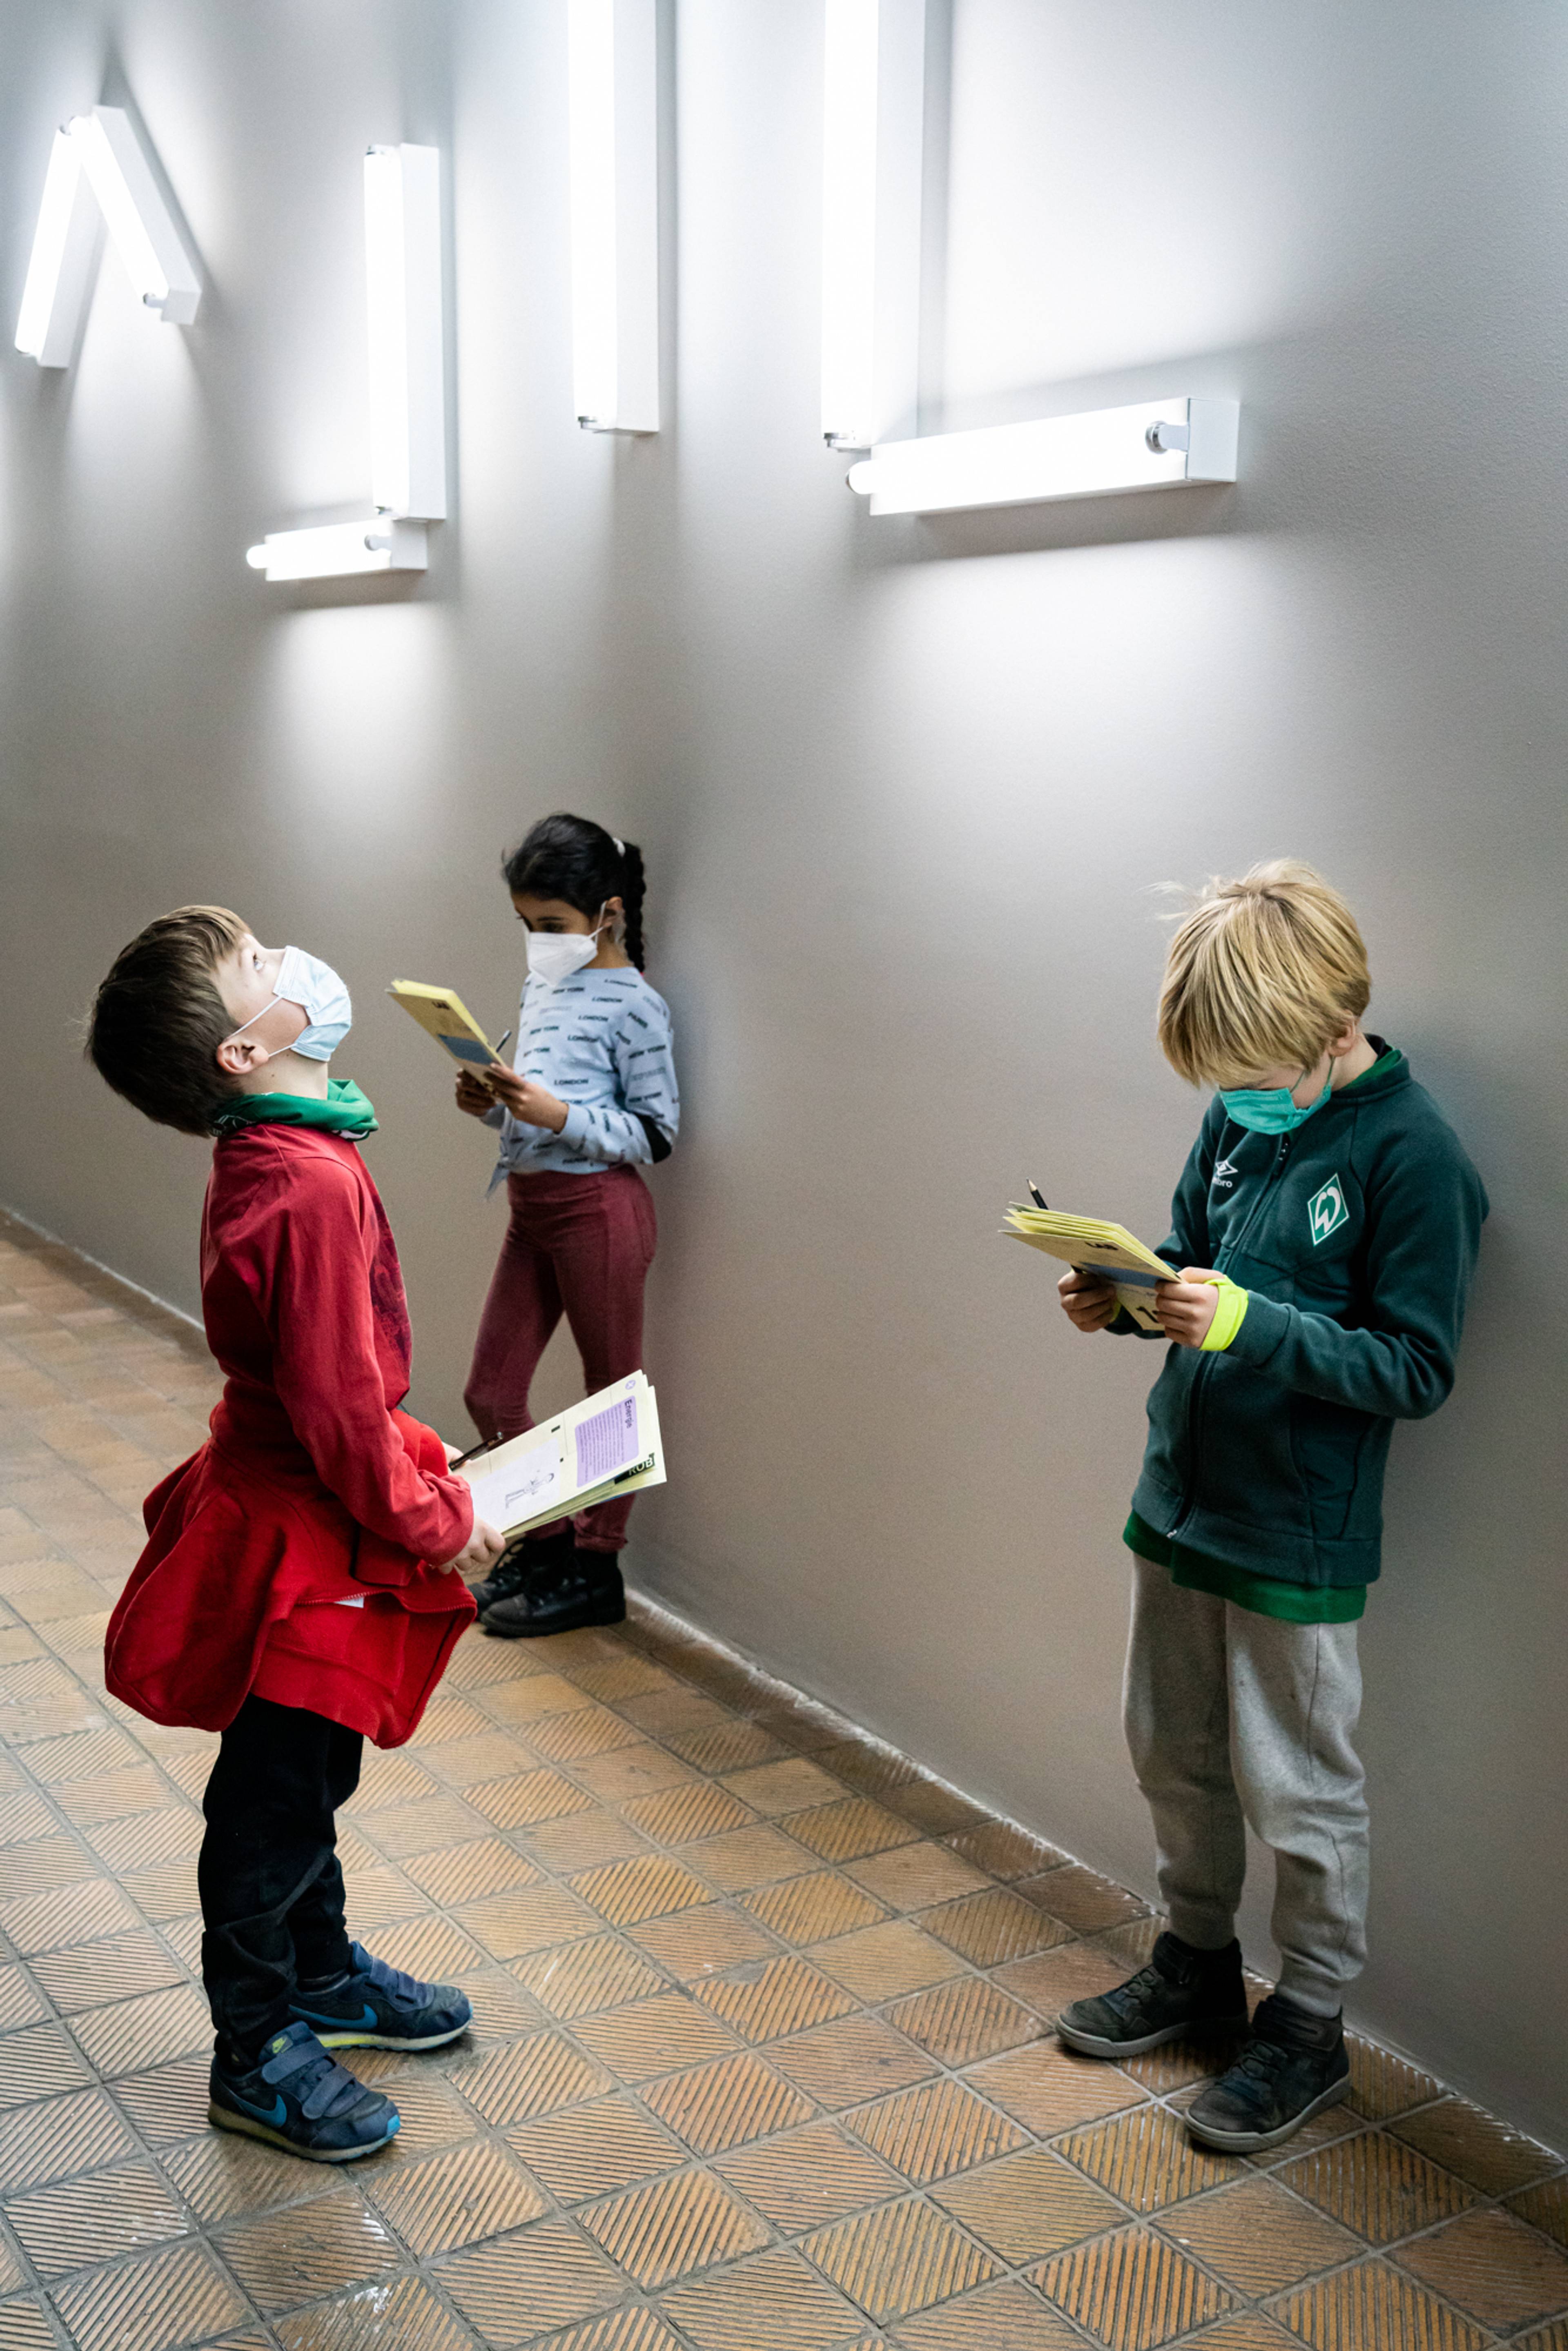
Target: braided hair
[575,859]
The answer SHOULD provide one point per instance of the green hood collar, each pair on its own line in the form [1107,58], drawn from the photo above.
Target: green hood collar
[1389,1070]
[346,1111]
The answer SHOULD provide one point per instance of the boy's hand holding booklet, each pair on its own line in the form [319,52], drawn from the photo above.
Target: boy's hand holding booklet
[1090,1246]
[605,1447]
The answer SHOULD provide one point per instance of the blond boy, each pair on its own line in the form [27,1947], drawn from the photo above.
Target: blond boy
[1323,1233]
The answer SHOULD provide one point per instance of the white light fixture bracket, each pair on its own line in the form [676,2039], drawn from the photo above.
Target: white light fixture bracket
[98,171]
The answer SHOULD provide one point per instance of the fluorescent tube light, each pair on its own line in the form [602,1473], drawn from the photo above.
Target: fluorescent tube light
[143,233]
[65,246]
[98,170]
[614,112]
[335,549]
[874,70]
[1155,445]
[407,352]
[407,382]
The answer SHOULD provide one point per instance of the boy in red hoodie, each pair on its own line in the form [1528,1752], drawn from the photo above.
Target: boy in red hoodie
[302,1585]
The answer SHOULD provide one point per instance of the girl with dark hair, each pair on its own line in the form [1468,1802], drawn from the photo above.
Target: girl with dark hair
[590,1099]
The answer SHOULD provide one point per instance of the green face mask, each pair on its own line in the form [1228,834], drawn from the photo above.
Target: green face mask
[1269,1110]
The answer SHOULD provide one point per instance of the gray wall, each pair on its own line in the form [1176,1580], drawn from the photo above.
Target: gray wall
[904,790]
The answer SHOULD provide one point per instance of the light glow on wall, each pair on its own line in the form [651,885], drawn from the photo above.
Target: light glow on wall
[337,549]
[407,349]
[873,86]
[613,68]
[96,171]
[1152,445]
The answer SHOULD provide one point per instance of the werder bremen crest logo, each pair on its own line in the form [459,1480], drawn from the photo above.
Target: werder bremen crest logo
[1327,1211]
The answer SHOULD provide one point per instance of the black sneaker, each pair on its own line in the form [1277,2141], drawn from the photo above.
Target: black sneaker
[1292,2067]
[378,2007]
[589,1591]
[531,1559]
[298,2097]
[1181,1990]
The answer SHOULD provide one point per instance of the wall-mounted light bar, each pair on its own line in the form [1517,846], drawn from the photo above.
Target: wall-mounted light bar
[336,551]
[873,85]
[407,351]
[1155,445]
[612,64]
[97,170]
[65,246]
[404,314]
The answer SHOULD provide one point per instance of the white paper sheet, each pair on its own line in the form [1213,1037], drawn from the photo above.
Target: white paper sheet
[522,1491]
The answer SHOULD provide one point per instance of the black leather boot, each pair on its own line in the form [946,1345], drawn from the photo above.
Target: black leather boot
[531,1559]
[589,1591]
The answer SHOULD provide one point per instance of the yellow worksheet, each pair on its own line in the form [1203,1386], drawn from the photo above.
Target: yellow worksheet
[443,1014]
[1095,1247]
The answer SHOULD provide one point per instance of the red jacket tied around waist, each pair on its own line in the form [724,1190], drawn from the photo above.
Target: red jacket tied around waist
[288,1556]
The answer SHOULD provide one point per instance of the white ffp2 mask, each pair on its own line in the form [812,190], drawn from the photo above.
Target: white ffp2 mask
[554,956]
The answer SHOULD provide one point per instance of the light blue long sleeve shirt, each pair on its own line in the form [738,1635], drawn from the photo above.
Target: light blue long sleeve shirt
[601,1042]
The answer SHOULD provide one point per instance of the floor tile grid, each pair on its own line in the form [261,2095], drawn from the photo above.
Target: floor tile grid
[1275,2159]
[527,1662]
[860,1778]
[691,1856]
[142,1472]
[849,2116]
[49,2289]
[163,1367]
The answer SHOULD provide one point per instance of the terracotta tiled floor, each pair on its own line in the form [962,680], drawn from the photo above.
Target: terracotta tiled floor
[762,2054]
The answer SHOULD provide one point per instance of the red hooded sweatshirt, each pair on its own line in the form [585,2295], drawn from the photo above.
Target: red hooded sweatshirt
[287,1557]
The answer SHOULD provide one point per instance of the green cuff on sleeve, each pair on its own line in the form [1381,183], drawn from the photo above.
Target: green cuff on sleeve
[1229,1311]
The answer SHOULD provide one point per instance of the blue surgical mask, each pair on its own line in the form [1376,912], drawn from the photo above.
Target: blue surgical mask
[304,979]
[1269,1110]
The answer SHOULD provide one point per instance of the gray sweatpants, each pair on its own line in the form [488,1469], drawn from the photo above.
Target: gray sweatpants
[1234,1718]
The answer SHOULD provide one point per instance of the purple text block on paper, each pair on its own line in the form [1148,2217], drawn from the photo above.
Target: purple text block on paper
[608,1443]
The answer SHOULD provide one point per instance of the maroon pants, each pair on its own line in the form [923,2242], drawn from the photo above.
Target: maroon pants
[581,1246]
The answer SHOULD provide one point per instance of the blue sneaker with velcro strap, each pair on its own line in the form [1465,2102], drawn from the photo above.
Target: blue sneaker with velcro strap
[298,2097]
[378,2007]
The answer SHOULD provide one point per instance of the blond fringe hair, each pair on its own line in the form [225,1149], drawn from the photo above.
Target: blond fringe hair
[1262,972]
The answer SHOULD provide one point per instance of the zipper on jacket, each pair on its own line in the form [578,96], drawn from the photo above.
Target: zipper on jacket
[1189,1492]
[1264,1189]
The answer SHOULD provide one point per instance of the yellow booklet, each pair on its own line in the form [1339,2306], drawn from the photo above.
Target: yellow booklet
[1095,1247]
[443,1015]
[606,1445]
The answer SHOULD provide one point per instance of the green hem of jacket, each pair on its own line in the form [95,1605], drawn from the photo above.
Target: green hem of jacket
[1264,1595]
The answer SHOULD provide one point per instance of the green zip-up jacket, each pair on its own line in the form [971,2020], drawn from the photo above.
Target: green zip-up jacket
[1355,1238]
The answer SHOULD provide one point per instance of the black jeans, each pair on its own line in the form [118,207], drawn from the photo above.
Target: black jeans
[271,1888]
